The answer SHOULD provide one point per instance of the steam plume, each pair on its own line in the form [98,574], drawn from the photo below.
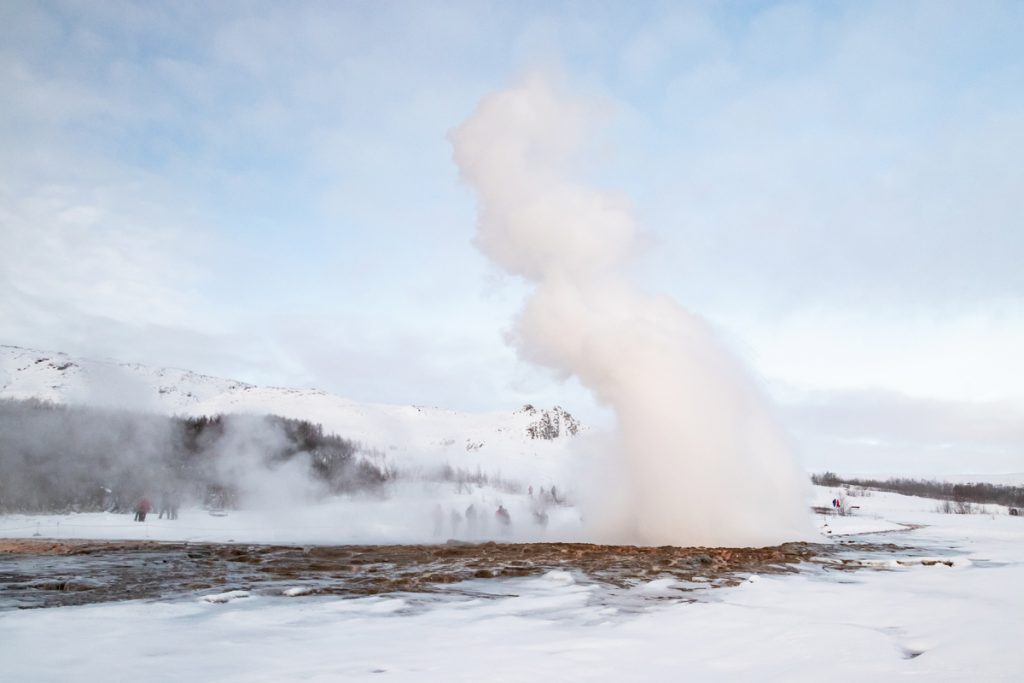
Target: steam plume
[699,458]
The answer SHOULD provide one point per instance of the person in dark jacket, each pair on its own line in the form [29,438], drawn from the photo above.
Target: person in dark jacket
[504,519]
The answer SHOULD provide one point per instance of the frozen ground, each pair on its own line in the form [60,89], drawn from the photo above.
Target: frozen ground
[905,616]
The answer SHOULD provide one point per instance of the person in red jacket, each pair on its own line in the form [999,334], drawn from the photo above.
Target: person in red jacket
[141,508]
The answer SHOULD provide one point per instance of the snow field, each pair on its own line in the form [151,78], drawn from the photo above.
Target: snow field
[914,619]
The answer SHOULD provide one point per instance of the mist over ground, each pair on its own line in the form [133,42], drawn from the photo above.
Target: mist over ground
[75,458]
[264,478]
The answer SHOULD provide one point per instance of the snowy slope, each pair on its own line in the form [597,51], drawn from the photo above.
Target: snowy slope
[513,442]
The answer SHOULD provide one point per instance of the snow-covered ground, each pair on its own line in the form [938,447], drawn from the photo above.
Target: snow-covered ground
[411,512]
[954,620]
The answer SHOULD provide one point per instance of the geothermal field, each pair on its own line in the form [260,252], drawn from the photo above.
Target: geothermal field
[418,576]
[898,589]
[482,341]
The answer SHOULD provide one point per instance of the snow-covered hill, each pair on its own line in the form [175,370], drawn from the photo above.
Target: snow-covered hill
[517,443]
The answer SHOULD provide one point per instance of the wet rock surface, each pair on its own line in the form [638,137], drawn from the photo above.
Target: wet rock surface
[49,573]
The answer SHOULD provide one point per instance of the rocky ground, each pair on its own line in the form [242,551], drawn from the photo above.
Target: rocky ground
[46,572]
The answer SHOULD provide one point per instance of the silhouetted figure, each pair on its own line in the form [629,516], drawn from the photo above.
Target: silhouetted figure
[142,508]
[541,517]
[504,519]
[456,520]
[471,522]
[169,505]
[165,505]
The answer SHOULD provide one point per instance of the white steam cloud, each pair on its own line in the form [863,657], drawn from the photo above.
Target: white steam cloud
[699,458]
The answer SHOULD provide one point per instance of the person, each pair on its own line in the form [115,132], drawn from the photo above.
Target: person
[456,520]
[471,526]
[504,519]
[142,508]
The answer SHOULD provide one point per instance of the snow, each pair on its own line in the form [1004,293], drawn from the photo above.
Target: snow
[945,604]
[228,596]
[415,441]
[912,616]
[408,437]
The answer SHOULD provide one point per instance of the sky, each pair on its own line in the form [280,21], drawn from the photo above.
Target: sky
[266,191]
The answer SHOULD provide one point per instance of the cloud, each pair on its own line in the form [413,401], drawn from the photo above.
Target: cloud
[178,180]
[101,253]
[889,431]
[858,155]
[896,417]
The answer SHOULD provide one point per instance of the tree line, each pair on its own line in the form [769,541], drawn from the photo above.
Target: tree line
[974,492]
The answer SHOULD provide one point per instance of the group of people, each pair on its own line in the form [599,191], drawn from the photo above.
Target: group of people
[168,506]
[477,521]
[547,496]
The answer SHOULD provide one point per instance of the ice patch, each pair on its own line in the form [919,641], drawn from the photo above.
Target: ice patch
[221,598]
[370,605]
[901,562]
[934,562]
[658,587]
[558,577]
[296,590]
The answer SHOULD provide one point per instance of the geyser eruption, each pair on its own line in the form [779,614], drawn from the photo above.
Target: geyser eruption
[699,459]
